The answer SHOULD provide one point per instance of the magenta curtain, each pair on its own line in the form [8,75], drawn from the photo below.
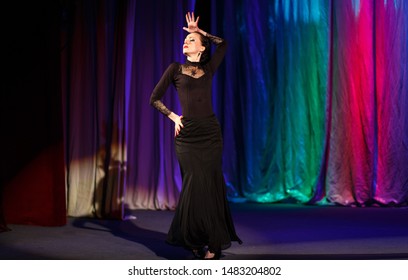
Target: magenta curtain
[368,129]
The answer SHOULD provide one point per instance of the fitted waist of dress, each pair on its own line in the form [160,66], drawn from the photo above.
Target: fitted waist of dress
[210,117]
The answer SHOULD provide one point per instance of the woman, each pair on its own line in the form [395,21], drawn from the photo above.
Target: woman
[202,218]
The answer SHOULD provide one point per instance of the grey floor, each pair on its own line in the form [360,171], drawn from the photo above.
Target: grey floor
[269,231]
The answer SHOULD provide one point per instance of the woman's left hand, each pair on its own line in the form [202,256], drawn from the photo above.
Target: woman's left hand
[192,23]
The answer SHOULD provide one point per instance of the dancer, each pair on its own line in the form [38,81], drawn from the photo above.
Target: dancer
[202,221]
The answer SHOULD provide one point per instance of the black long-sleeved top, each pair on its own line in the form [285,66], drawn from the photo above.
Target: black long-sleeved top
[193,81]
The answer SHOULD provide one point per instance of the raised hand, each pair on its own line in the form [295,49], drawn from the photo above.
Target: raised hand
[192,23]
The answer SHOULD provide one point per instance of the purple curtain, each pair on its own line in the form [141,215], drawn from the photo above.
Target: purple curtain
[119,150]
[153,180]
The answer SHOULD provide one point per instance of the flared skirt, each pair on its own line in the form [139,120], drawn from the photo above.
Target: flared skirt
[202,217]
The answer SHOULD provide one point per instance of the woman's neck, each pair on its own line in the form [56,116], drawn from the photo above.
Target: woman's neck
[193,59]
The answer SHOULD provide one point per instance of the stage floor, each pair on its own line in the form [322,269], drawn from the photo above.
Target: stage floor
[269,231]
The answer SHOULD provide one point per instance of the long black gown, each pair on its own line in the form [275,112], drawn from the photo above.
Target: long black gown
[202,217]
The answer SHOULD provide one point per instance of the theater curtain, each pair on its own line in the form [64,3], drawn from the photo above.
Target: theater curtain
[312,99]
[276,78]
[119,151]
[319,100]
[368,148]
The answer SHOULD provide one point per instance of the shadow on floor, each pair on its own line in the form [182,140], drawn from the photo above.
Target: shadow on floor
[153,240]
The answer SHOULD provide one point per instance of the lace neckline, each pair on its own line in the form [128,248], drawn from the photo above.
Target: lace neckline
[192,69]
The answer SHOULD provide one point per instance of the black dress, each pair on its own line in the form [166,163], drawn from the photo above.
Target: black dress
[202,217]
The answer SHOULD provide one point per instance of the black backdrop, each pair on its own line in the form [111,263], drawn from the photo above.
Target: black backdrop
[31,111]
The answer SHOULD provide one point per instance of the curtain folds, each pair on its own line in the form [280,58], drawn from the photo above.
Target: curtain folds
[93,81]
[369,136]
[119,151]
[278,68]
[153,180]
[312,99]
[322,101]
[391,64]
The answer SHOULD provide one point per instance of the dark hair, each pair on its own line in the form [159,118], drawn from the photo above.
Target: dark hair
[206,54]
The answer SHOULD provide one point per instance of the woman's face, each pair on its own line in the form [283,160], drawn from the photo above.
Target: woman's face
[192,45]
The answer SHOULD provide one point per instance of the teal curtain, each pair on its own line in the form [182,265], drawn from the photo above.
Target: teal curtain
[279,61]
